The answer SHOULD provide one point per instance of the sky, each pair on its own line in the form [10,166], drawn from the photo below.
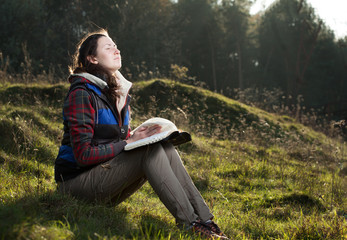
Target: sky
[332,12]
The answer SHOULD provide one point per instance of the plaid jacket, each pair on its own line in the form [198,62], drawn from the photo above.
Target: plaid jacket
[94,131]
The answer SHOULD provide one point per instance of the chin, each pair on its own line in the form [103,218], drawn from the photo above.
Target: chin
[116,70]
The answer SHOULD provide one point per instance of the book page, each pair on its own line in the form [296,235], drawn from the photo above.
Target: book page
[166,125]
[168,130]
[146,141]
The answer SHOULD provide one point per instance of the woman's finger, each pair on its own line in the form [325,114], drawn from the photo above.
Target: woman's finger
[154,129]
[142,129]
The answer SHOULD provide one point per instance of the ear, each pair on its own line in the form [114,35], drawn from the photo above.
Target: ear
[92,59]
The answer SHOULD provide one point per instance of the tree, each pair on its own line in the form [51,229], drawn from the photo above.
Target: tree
[288,35]
[235,16]
[327,76]
[21,27]
[145,37]
[299,54]
[198,31]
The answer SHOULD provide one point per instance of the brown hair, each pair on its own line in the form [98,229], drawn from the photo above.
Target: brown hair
[80,63]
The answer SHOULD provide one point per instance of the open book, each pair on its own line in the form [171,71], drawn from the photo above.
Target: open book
[168,132]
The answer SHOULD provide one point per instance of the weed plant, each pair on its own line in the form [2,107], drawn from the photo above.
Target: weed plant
[264,175]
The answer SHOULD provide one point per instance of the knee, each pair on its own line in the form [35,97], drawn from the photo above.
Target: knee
[154,152]
[156,147]
[168,147]
[160,152]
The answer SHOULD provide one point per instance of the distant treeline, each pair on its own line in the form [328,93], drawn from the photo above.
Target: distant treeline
[214,43]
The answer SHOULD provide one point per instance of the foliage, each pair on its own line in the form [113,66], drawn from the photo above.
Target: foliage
[222,46]
[293,43]
[264,176]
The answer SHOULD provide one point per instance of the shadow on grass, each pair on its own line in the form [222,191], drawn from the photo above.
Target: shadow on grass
[54,216]
[152,228]
[307,204]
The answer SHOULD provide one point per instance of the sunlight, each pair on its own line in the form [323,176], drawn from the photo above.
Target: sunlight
[331,12]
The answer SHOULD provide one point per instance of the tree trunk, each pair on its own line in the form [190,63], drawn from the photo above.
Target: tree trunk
[241,83]
[213,65]
[213,69]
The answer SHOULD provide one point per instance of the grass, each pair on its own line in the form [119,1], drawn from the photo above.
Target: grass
[264,176]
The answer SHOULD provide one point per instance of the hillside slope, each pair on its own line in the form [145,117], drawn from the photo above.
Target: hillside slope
[263,175]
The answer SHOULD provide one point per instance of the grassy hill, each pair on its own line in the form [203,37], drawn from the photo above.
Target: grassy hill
[264,176]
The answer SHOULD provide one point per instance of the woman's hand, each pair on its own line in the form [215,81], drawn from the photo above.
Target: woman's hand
[144,132]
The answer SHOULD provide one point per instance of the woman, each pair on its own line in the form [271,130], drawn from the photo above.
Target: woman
[91,163]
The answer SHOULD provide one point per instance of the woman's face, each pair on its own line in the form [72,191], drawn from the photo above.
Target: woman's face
[107,55]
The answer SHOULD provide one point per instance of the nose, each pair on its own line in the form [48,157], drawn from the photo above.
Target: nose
[117,51]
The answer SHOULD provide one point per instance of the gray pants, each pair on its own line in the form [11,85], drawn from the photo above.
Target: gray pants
[160,164]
